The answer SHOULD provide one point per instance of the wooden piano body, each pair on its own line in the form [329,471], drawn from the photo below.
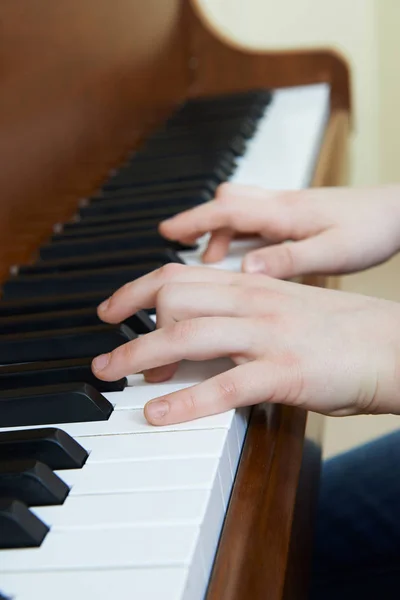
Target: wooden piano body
[82,83]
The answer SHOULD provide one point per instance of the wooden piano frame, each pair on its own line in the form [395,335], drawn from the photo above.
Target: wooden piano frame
[82,83]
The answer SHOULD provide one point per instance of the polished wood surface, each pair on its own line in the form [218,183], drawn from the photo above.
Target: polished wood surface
[81,82]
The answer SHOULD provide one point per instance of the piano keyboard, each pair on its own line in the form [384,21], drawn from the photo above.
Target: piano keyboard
[140,514]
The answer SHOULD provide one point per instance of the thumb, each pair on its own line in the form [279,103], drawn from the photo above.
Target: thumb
[322,253]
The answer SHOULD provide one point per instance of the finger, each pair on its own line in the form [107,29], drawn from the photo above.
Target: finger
[218,246]
[319,254]
[193,223]
[244,385]
[142,293]
[183,301]
[196,339]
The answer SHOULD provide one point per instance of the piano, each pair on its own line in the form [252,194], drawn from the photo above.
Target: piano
[121,116]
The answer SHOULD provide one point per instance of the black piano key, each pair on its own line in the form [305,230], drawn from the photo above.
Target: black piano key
[80,342]
[236,146]
[51,446]
[128,203]
[39,304]
[244,127]
[139,323]
[55,372]
[65,403]
[99,261]
[74,282]
[201,185]
[19,527]
[178,197]
[31,482]
[108,243]
[181,165]
[215,176]
[130,216]
[111,228]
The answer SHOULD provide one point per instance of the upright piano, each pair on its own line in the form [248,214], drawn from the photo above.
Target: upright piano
[113,116]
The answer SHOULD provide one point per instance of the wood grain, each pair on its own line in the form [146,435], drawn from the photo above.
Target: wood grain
[81,82]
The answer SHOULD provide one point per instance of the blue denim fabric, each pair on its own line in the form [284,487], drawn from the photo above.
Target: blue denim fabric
[357,541]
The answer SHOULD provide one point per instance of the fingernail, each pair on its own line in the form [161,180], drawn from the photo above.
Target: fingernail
[104,305]
[100,362]
[157,409]
[254,265]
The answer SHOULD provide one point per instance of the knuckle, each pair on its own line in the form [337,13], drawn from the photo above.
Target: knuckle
[166,296]
[170,271]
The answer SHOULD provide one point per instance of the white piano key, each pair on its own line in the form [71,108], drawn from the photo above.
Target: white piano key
[139,508]
[283,152]
[242,417]
[196,581]
[123,477]
[225,475]
[160,446]
[122,547]
[139,391]
[133,421]
[121,584]
[211,528]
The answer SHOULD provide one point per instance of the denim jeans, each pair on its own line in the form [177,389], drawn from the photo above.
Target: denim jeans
[357,540]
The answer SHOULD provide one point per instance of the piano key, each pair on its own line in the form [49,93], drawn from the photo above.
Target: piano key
[141,476]
[214,176]
[31,482]
[191,163]
[137,508]
[125,203]
[139,323]
[109,548]
[237,125]
[201,184]
[133,421]
[108,243]
[64,403]
[147,584]
[236,145]
[55,372]
[138,391]
[98,261]
[121,227]
[80,342]
[19,527]
[74,282]
[129,216]
[47,304]
[178,197]
[155,445]
[53,447]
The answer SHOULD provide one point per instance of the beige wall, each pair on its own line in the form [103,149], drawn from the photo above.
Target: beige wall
[366,31]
